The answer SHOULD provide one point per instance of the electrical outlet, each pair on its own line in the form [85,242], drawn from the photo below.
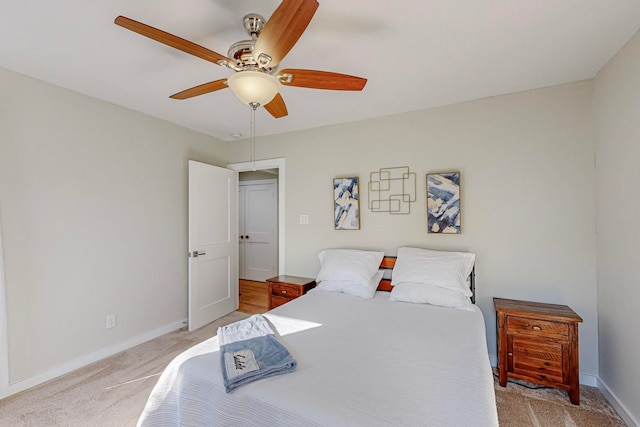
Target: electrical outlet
[111,321]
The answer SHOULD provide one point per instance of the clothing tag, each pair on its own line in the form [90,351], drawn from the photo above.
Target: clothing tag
[239,363]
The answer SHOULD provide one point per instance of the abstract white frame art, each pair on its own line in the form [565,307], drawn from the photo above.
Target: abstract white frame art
[443,203]
[346,203]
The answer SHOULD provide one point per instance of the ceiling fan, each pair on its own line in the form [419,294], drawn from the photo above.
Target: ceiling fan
[256,80]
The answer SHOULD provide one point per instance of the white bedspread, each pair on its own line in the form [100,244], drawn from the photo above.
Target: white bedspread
[360,363]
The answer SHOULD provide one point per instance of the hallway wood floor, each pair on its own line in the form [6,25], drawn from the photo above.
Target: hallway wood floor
[254,297]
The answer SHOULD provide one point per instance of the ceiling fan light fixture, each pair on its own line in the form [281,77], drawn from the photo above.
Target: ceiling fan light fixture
[254,86]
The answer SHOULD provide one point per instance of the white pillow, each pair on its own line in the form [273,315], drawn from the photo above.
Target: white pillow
[348,264]
[437,268]
[354,288]
[419,293]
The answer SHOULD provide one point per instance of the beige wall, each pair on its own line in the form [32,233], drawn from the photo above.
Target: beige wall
[528,200]
[93,209]
[616,105]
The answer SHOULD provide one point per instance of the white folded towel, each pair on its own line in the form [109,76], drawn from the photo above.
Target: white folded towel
[252,327]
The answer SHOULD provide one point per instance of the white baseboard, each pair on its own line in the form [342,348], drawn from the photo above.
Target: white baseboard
[82,361]
[620,408]
[586,379]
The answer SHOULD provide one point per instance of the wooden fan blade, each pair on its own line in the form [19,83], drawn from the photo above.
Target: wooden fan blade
[277,108]
[201,89]
[171,40]
[283,29]
[320,80]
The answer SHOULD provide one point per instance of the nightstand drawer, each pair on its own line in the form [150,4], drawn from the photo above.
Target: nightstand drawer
[284,290]
[537,327]
[540,358]
[277,301]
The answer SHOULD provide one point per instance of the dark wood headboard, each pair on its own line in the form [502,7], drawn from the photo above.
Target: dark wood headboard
[388,262]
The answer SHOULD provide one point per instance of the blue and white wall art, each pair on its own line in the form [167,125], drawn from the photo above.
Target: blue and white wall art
[346,205]
[443,203]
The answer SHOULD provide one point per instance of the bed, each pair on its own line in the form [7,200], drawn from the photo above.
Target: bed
[361,362]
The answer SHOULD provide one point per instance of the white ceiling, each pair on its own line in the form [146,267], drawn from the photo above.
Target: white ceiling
[415,53]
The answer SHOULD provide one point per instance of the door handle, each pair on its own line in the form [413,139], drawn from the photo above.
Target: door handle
[196,254]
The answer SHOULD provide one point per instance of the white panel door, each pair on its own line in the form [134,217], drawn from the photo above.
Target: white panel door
[213,243]
[259,230]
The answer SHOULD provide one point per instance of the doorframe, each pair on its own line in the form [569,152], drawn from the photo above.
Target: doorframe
[4,329]
[278,163]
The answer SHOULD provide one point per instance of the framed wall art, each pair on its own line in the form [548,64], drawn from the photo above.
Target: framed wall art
[443,203]
[346,203]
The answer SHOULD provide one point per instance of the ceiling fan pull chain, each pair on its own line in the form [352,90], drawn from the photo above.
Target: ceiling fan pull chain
[254,106]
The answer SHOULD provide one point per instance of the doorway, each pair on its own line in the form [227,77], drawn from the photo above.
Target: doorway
[273,166]
[258,226]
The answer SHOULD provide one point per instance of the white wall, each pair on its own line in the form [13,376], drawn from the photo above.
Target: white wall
[527,164]
[93,209]
[4,352]
[616,105]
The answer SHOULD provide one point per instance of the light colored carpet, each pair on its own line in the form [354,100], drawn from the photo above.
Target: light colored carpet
[520,406]
[113,392]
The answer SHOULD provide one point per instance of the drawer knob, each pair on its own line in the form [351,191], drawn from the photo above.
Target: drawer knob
[284,292]
[536,328]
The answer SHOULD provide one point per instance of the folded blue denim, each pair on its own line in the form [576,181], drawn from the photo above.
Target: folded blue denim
[247,360]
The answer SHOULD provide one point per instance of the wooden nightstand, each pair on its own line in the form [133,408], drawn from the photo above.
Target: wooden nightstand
[538,342]
[283,289]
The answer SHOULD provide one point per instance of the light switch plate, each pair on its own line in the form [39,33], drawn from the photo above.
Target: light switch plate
[304,219]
